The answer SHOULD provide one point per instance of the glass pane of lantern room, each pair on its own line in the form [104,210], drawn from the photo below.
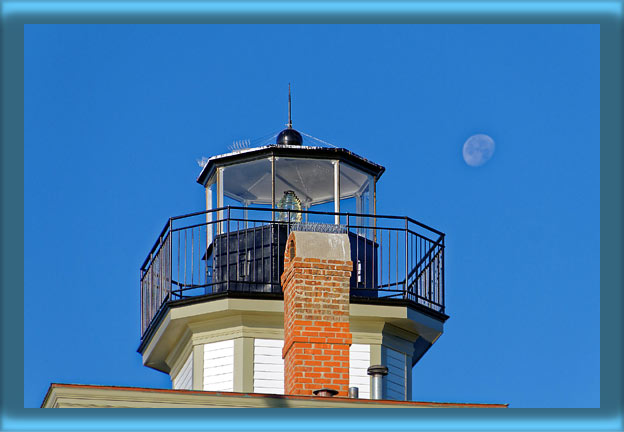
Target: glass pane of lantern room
[311,182]
[248,184]
[356,196]
[353,181]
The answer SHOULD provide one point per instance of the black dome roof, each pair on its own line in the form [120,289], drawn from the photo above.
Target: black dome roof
[289,137]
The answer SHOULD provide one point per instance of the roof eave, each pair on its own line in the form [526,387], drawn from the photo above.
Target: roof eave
[294,151]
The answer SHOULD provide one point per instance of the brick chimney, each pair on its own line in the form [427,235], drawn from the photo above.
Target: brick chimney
[317,269]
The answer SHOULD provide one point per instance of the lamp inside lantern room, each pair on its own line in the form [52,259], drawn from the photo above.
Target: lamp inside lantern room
[289,201]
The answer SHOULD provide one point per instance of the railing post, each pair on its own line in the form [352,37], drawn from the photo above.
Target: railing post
[406,258]
[273,188]
[443,288]
[430,277]
[151,286]
[227,251]
[288,222]
[375,211]
[141,302]
[161,276]
[336,191]
[170,271]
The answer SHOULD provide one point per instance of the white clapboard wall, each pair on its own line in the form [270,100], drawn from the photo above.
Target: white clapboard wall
[219,366]
[396,379]
[268,366]
[184,379]
[359,361]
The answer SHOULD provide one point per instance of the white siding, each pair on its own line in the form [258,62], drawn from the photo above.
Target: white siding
[184,379]
[268,366]
[359,361]
[219,366]
[396,379]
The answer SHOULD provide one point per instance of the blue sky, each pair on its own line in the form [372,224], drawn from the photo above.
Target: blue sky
[117,116]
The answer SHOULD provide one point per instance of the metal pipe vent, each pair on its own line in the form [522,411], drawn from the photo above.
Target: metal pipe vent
[325,392]
[377,372]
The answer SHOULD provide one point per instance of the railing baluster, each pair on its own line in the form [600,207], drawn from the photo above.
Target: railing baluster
[396,265]
[414,256]
[201,263]
[271,240]
[183,287]
[376,280]
[437,290]
[356,264]
[262,254]
[227,252]
[253,267]
[169,253]
[443,287]
[406,259]
[389,258]
[141,304]
[381,261]
[365,268]
[192,257]
[151,288]
[429,284]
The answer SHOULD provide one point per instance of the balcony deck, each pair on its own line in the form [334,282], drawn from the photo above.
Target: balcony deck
[238,251]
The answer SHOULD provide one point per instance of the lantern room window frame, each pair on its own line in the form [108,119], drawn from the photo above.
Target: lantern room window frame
[345,165]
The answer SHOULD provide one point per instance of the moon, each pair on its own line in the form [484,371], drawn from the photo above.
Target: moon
[478,149]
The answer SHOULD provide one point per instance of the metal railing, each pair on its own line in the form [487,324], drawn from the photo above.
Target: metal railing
[241,249]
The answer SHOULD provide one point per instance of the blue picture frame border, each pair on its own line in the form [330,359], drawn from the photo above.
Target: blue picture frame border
[16,14]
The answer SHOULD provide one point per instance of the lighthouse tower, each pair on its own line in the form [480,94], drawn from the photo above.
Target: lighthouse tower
[289,282]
